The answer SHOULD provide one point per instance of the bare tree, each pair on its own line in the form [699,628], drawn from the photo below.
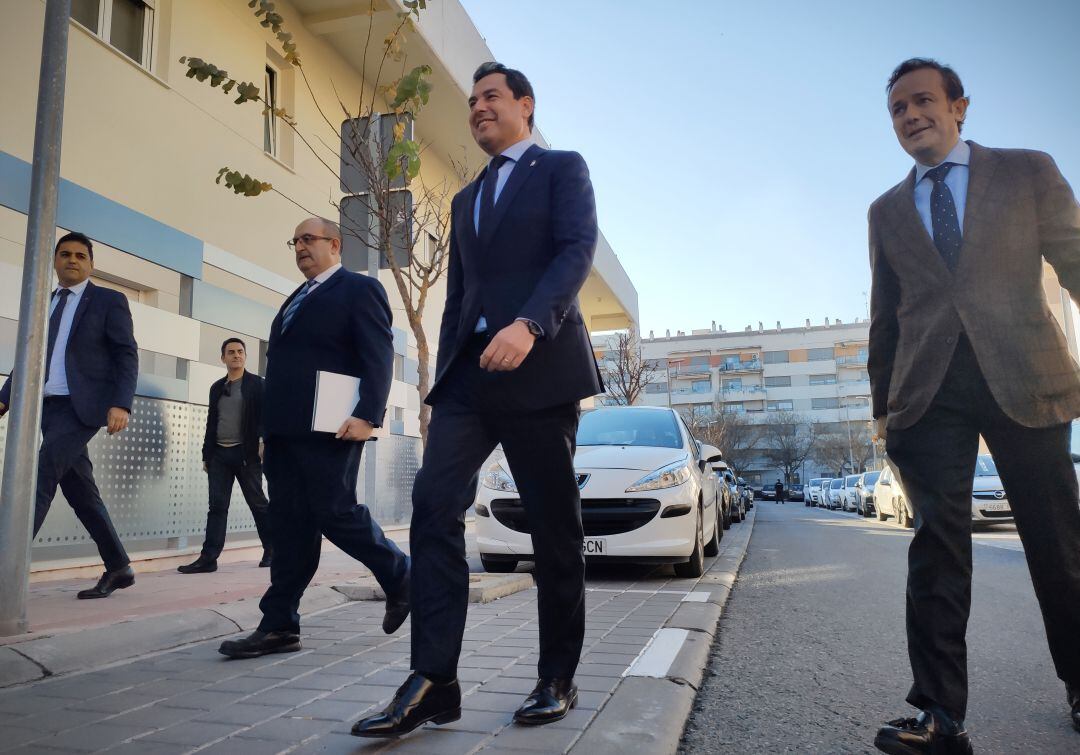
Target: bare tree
[737,438]
[625,371]
[831,451]
[400,217]
[788,441]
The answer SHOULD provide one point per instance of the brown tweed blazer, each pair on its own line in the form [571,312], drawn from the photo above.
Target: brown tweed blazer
[1019,210]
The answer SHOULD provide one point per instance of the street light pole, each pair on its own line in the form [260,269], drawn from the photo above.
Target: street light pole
[20,462]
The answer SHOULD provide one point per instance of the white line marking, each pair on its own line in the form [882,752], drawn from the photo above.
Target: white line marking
[642,592]
[656,658]
[695,597]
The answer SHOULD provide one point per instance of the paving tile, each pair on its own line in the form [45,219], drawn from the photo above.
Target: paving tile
[481,721]
[92,737]
[19,735]
[30,703]
[331,709]
[154,717]
[202,699]
[491,701]
[241,714]
[192,733]
[287,729]
[320,681]
[426,741]
[236,746]
[53,721]
[142,747]
[245,684]
[514,685]
[542,737]
[115,703]
[79,688]
[597,683]
[362,692]
[285,698]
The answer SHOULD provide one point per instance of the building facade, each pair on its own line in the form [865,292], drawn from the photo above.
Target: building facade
[142,146]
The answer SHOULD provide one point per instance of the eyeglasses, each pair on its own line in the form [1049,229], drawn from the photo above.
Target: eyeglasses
[306,240]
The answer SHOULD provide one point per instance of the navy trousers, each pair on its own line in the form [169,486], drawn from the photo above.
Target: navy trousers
[63,461]
[312,482]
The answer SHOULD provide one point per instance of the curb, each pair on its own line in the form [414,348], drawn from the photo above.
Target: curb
[648,710]
[483,588]
[82,649]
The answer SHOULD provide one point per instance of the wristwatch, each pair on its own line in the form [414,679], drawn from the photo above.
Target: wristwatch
[535,329]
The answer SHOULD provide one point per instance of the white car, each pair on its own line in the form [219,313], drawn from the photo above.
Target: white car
[988,500]
[812,494]
[834,495]
[848,501]
[647,495]
[890,499]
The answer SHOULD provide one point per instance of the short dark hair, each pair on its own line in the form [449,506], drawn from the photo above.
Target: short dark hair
[519,85]
[80,238]
[227,341]
[954,88]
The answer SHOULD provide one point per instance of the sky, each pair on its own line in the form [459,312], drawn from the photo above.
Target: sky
[735,147]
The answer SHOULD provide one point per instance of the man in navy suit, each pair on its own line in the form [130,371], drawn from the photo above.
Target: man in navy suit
[91,367]
[514,361]
[338,321]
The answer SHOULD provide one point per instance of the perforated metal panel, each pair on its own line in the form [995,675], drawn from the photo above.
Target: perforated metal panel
[151,479]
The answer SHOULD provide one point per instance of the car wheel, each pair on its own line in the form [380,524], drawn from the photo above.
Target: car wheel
[902,516]
[695,566]
[881,515]
[497,567]
[727,520]
[712,547]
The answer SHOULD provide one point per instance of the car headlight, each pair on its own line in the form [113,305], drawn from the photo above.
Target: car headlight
[496,479]
[665,477]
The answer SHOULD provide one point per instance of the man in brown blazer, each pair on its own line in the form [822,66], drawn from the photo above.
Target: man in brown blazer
[962,344]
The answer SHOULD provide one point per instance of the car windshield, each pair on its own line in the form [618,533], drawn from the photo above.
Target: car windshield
[871,478]
[985,467]
[629,427]
[837,483]
[851,478]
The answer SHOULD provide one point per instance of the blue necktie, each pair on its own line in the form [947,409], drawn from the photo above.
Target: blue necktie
[487,188]
[943,217]
[294,305]
[54,327]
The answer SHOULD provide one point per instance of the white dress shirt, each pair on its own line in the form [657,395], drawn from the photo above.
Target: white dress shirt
[324,276]
[57,384]
[956,180]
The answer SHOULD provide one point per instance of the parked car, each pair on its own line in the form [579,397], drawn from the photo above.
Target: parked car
[731,501]
[723,496]
[766,492]
[647,495]
[864,493]
[988,500]
[738,504]
[796,491]
[848,502]
[747,493]
[835,494]
[812,494]
[890,500]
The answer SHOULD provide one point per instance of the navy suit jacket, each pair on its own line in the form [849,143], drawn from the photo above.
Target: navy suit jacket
[531,258]
[342,326]
[102,358]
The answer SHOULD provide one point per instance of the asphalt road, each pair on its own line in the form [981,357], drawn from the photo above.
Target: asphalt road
[812,656]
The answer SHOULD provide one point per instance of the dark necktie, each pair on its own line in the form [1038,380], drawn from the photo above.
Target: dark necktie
[54,326]
[487,188]
[943,217]
[294,305]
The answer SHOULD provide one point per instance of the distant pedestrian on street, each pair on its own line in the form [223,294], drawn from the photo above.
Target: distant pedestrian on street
[963,344]
[338,322]
[91,367]
[232,451]
[514,361]
[779,488]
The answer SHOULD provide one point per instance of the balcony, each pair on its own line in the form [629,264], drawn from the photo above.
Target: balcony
[846,388]
[858,360]
[741,393]
[754,365]
[701,372]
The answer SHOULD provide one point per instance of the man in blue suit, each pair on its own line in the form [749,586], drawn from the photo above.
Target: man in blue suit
[514,361]
[338,321]
[91,367]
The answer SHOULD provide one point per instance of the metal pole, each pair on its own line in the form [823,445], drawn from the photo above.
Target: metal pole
[20,463]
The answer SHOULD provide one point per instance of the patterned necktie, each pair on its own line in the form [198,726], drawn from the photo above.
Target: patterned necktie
[294,305]
[54,326]
[943,217]
[487,189]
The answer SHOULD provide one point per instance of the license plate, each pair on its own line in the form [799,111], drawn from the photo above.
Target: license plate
[1003,506]
[594,546]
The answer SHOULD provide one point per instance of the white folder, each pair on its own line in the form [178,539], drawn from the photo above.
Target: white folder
[335,398]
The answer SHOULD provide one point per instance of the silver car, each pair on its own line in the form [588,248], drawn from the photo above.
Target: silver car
[834,496]
[848,501]
[988,500]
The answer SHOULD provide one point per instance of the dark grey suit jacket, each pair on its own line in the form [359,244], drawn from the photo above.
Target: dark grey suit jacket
[1020,210]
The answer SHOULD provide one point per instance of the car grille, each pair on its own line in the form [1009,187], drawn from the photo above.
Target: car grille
[599,516]
[990,495]
[1007,514]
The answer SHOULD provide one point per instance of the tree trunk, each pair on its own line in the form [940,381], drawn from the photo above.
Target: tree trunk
[423,369]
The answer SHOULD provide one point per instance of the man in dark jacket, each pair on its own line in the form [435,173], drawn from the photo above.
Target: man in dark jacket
[779,488]
[232,450]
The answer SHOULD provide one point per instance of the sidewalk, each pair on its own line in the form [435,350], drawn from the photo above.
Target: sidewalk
[647,641]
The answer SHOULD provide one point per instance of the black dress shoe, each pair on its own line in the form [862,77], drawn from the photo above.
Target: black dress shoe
[110,581]
[261,643]
[200,565]
[1074,703]
[267,557]
[416,702]
[551,700]
[397,608]
[933,731]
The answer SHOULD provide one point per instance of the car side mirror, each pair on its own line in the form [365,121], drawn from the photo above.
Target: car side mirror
[701,464]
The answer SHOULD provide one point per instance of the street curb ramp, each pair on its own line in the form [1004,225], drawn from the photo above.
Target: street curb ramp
[647,713]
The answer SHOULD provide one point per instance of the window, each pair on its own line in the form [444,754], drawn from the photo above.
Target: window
[779,381]
[701,386]
[127,25]
[734,407]
[825,403]
[656,388]
[776,357]
[780,406]
[823,379]
[819,355]
[269,119]
[733,384]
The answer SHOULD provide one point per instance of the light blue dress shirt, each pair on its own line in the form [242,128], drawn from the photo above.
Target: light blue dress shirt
[956,180]
[514,152]
[57,384]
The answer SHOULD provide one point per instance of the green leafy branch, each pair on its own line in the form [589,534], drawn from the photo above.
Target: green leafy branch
[274,21]
[202,70]
[242,183]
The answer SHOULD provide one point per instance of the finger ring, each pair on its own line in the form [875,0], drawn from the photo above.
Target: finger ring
[506,359]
